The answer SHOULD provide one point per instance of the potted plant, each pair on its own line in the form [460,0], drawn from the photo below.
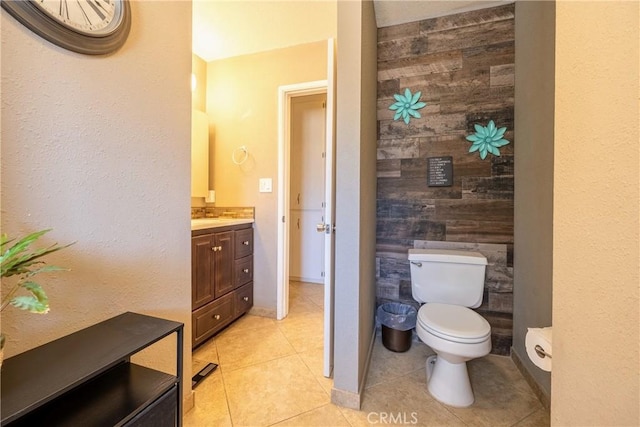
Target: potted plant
[21,263]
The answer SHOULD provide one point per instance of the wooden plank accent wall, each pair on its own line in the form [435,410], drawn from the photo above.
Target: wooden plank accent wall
[464,66]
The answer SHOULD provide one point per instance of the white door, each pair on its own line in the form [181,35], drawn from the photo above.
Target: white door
[330,209]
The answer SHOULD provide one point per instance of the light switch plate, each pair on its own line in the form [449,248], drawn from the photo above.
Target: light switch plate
[266,185]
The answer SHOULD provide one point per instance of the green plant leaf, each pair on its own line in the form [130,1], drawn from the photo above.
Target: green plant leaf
[37,302]
[30,303]
[15,261]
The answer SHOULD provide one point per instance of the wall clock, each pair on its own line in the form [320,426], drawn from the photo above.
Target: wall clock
[92,27]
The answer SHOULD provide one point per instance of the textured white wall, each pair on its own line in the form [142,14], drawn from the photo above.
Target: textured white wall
[98,148]
[594,381]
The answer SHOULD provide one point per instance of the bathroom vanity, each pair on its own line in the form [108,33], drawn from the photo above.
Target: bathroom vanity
[221,274]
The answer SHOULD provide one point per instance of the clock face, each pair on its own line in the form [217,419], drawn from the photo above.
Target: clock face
[92,27]
[93,17]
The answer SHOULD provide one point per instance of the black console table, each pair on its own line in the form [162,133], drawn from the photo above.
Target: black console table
[87,379]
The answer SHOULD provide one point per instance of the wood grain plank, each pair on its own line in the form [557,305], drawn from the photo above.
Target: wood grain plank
[420,65]
[502,165]
[480,231]
[398,148]
[477,100]
[500,187]
[415,189]
[402,48]
[439,124]
[388,168]
[474,210]
[392,32]
[468,19]
[477,35]
[387,88]
[502,75]
[401,209]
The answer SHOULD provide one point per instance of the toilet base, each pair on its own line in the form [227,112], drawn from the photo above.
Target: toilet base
[449,382]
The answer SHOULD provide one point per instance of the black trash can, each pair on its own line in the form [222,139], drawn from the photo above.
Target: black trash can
[397,320]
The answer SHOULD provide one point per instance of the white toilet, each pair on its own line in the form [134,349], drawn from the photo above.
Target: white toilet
[449,282]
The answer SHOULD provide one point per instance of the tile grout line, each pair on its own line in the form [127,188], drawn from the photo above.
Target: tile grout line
[224,385]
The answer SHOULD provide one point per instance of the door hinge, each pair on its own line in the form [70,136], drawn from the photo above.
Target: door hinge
[322,274]
[282,218]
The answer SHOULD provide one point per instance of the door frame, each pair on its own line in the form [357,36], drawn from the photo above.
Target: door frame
[285,96]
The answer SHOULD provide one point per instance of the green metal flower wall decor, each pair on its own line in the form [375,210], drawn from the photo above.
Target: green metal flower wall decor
[487,139]
[406,106]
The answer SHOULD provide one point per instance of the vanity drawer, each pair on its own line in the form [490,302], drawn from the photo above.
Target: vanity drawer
[214,316]
[244,298]
[243,271]
[244,242]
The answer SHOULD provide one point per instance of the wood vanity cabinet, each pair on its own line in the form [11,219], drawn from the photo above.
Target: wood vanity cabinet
[221,278]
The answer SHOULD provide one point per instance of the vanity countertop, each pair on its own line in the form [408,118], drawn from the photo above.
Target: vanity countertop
[204,223]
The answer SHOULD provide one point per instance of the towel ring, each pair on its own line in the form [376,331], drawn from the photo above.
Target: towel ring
[243,157]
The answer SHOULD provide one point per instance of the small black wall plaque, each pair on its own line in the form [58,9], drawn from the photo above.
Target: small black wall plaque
[440,171]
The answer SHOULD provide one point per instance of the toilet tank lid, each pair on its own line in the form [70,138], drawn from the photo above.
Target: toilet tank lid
[447,255]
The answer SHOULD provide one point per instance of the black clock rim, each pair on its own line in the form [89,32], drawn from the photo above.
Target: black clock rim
[32,17]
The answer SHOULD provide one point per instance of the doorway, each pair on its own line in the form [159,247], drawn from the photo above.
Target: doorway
[286,95]
[306,186]
[327,228]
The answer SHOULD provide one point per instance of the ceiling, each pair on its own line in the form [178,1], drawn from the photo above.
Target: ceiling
[226,28]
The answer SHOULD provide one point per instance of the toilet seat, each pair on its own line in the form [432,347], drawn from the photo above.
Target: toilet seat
[454,323]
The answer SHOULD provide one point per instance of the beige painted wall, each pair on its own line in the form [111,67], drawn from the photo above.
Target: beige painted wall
[595,374]
[242,103]
[199,95]
[533,210]
[98,148]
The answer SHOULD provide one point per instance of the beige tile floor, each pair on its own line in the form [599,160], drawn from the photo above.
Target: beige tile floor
[270,374]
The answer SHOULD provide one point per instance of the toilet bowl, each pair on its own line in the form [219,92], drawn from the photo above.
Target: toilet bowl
[456,334]
[450,283]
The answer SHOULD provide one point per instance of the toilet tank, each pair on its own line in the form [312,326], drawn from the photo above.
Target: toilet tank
[447,276]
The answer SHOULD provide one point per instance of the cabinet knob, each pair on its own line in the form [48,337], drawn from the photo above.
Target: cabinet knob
[246,270]
[214,248]
[217,317]
[246,243]
[245,298]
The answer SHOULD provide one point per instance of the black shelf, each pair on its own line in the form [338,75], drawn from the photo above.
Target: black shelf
[87,375]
